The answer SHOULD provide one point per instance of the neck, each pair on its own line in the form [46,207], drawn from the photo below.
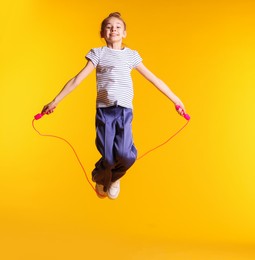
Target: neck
[115,45]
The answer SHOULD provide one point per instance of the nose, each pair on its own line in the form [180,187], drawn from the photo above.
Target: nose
[113,29]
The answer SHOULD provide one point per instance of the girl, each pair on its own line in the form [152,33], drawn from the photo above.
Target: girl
[114,140]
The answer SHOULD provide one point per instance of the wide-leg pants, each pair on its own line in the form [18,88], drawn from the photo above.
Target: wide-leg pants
[114,141]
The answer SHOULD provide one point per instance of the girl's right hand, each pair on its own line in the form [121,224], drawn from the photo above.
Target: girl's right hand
[181,108]
[49,108]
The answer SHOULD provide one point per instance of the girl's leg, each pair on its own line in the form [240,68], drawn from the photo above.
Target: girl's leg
[125,152]
[105,133]
[114,141]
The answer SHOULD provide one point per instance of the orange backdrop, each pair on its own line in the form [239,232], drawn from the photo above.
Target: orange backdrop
[199,187]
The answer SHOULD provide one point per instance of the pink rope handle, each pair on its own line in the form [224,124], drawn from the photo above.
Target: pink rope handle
[186,116]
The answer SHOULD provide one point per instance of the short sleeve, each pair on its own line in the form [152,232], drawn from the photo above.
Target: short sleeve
[93,56]
[137,59]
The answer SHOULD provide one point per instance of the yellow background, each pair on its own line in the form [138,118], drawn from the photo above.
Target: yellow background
[192,199]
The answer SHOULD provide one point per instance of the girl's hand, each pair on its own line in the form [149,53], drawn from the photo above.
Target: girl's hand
[181,109]
[49,108]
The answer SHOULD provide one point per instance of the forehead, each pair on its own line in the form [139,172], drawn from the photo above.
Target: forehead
[114,20]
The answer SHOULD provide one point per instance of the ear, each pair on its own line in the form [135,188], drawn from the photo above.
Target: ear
[124,34]
[102,34]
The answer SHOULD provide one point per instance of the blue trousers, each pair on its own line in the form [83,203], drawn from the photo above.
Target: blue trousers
[114,141]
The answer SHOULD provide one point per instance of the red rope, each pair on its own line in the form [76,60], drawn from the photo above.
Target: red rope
[79,161]
[58,137]
[153,149]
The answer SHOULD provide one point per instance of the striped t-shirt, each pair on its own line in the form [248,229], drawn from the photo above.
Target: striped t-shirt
[113,75]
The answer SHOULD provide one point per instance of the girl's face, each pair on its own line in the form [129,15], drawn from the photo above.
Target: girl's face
[114,31]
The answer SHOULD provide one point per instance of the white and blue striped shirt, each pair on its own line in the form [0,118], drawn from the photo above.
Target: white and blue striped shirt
[113,75]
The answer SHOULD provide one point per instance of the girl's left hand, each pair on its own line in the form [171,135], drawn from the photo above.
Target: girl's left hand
[181,109]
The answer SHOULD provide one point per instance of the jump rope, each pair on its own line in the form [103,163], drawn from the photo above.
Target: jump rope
[40,115]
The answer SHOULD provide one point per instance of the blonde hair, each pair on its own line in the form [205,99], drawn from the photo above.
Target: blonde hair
[105,21]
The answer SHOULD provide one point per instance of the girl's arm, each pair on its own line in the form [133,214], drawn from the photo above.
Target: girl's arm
[161,86]
[69,87]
